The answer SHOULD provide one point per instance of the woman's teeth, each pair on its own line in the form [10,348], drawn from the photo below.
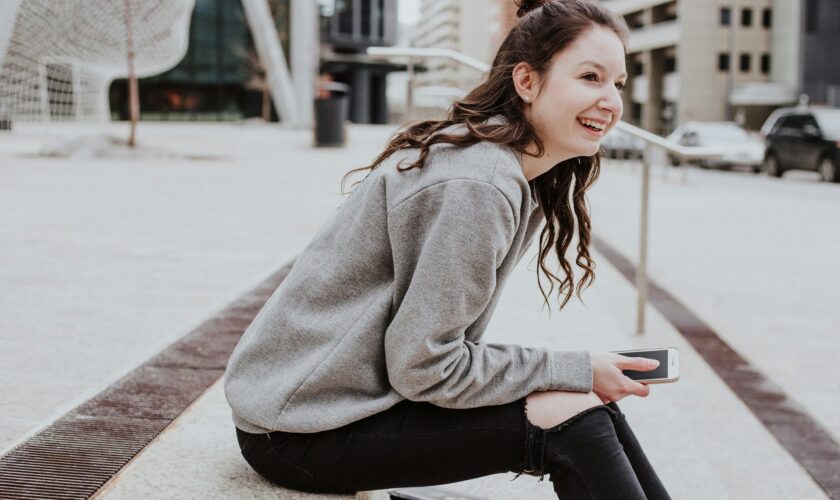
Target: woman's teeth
[591,124]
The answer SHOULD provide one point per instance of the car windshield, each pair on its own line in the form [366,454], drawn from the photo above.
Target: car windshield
[829,121]
[723,134]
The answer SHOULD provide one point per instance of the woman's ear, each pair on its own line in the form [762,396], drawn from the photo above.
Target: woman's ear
[525,81]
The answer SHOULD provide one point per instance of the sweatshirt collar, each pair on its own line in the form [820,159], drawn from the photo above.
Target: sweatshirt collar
[500,119]
[532,184]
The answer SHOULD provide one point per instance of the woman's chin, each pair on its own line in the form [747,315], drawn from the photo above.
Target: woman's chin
[592,150]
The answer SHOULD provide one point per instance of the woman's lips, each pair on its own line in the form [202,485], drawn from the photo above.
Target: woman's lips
[595,133]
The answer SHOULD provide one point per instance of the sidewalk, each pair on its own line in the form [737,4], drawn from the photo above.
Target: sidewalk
[123,257]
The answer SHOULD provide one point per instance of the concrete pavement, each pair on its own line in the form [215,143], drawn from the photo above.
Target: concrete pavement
[114,259]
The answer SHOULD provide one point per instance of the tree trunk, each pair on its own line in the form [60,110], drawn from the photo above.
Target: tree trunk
[266,104]
[133,91]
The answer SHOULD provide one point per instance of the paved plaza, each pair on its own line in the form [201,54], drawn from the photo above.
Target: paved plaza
[107,260]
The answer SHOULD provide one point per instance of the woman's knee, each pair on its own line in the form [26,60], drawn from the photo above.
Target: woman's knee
[551,408]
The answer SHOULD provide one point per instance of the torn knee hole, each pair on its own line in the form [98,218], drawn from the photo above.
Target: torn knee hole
[577,417]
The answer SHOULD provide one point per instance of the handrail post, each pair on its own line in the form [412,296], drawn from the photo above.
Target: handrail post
[641,270]
[409,92]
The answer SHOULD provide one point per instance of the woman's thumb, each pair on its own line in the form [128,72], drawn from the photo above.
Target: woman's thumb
[637,364]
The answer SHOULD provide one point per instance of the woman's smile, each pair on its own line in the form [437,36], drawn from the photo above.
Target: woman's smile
[582,83]
[592,128]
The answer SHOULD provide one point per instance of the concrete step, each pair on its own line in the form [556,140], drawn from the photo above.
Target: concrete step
[198,457]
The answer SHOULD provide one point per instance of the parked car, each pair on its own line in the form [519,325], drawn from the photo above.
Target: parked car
[619,144]
[803,139]
[739,147]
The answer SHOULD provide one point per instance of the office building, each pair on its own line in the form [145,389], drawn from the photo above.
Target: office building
[734,60]
[466,26]
[804,48]
[682,71]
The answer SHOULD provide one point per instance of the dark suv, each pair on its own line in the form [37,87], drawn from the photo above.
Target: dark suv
[803,139]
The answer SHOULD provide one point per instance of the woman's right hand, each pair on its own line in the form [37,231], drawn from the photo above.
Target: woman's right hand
[609,383]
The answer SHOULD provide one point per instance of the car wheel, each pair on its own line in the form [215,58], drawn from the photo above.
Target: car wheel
[756,169]
[828,171]
[772,167]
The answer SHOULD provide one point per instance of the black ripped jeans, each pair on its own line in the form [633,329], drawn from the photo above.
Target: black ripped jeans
[593,455]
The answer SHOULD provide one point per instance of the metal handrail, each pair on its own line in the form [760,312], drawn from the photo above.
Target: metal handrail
[651,141]
[413,53]
[684,152]
[420,52]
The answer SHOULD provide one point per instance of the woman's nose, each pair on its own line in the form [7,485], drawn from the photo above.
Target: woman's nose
[612,102]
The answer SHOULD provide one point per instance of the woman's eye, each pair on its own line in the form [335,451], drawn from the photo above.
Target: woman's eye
[591,76]
[620,86]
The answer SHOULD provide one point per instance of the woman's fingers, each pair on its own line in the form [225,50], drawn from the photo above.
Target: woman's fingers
[610,384]
[623,389]
[637,364]
[632,387]
[641,390]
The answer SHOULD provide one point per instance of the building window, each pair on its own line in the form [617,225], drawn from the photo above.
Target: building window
[767,18]
[723,62]
[670,64]
[670,12]
[345,17]
[765,63]
[366,18]
[725,16]
[634,21]
[746,17]
[638,68]
[744,62]
[811,16]
[636,112]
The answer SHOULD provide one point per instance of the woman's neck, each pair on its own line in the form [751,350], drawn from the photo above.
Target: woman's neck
[534,167]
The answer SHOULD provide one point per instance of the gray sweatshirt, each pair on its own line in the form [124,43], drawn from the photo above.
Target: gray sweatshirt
[390,299]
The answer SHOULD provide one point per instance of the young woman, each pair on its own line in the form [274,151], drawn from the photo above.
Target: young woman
[365,369]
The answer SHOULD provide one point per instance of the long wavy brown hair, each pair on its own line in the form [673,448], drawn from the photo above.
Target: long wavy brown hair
[544,29]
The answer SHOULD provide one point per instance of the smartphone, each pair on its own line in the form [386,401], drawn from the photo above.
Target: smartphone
[667,371]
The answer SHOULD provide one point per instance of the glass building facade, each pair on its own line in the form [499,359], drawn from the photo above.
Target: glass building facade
[218,79]
[820,77]
[348,28]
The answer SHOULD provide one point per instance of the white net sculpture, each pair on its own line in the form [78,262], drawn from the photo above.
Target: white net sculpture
[58,57]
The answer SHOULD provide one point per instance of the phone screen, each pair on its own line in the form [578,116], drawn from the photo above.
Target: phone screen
[661,371]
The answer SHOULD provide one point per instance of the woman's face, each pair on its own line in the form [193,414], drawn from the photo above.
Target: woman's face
[581,85]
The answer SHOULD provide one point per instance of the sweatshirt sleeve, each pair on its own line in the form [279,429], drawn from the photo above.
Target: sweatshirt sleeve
[448,241]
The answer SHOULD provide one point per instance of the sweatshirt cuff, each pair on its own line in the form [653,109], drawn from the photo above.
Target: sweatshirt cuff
[571,371]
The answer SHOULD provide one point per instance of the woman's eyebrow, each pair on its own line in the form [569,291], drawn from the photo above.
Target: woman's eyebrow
[600,67]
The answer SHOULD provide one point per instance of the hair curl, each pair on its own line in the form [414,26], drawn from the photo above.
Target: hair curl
[526,6]
[545,28]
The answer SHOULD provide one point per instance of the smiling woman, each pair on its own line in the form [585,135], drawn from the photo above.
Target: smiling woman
[366,370]
[576,101]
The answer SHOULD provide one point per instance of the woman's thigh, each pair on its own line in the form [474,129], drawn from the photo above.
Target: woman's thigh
[547,409]
[410,444]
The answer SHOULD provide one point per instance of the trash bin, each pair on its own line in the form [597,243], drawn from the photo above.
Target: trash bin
[5,119]
[331,114]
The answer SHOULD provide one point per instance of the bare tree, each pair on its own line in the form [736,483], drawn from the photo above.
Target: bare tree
[133,91]
[257,80]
